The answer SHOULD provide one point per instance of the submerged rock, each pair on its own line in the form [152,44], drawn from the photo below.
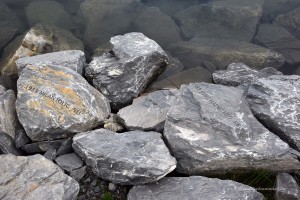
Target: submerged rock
[55,102]
[34,178]
[286,187]
[211,130]
[123,75]
[129,158]
[192,188]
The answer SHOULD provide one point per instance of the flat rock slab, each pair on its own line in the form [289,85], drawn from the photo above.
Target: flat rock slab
[137,61]
[194,188]
[55,102]
[69,162]
[34,178]
[129,158]
[72,59]
[211,130]
[148,112]
[275,101]
[238,73]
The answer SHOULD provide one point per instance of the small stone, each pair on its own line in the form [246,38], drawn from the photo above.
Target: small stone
[78,174]
[51,155]
[69,162]
[65,147]
[7,145]
[113,123]
[112,187]
[286,187]
[21,138]
[41,147]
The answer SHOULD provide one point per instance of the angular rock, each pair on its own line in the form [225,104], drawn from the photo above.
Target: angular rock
[226,19]
[41,147]
[211,130]
[280,40]
[113,123]
[192,188]
[51,154]
[239,73]
[72,59]
[78,174]
[148,112]
[129,158]
[55,102]
[65,147]
[121,77]
[34,178]
[220,53]
[39,39]
[286,187]
[275,103]
[21,138]
[69,162]
[7,145]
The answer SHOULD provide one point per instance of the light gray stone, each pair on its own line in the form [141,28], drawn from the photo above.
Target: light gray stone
[129,158]
[211,130]
[78,174]
[34,178]
[286,187]
[69,162]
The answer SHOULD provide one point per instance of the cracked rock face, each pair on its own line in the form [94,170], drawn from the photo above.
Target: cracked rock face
[129,158]
[34,178]
[275,101]
[123,75]
[148,112]
[210,130]
[194,188]
[55,102]
[286,187]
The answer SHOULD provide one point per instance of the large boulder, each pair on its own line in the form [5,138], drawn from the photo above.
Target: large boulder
[192,188]
[39,39]
[221,52]
[229,19]
[34,178]
[129,158]
[124,74]
[56,102]
[275,102]
[211,130]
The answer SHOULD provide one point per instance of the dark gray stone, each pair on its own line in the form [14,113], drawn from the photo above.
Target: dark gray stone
[51,155]
[34,178]
[41,147]
[56,102]
[69,162]
[239,73]
[7,145]
[211,130]
[129,158]
[65,147]
[137,61]
[194,188]
[275,102]
[72,59]
[149,111]
[78,174]
[286,187]
[21,138]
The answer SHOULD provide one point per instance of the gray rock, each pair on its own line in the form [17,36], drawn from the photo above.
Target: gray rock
[21,138]
[113,123]
[129,158]
[275,102]
[72,6]
[65,147]
[286,187]
[19,3]
[7,145]
[51,155]
[194,188]
[55,102]
[227,19]
[34,178]
[239,73]
[72,59]
[69,162]
[149,111]
[220,53]
[78,174]
[6,34]
[8,22]
[211,130]
[41,147]
[121,77]
[2,89]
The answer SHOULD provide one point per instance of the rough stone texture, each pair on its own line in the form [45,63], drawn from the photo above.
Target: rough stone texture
[8,115]
[286,187]
[39,39]
[7,145]
[78,174]
[194,188]
[69,162]
[228,19]
[55,102]
[66,147]
[221,52]
[137,61]
[211,130]
[239,73]
[51,155]
[129,158]
[34,178]
[21,138]
[72,59]
[290,21]
[280,40]
[41,147]
[113,123]
[149,111]
[275,102]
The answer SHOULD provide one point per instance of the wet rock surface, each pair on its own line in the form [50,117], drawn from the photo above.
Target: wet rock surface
[286,187]
[59,102]
[129,158]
